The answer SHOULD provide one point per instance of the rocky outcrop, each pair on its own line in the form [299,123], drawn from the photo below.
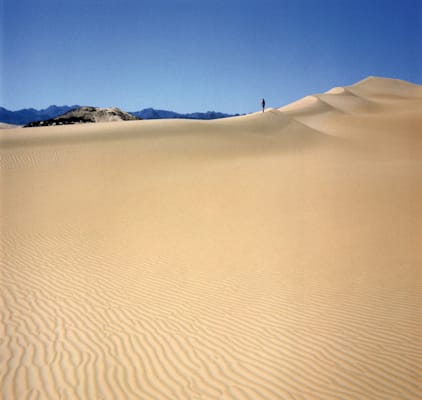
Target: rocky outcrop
[84,115]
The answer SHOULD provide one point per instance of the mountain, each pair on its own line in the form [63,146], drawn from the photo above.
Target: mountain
[151,113]
[26,115]
[84,115]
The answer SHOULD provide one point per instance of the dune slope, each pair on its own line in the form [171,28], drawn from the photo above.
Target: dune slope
[270,256]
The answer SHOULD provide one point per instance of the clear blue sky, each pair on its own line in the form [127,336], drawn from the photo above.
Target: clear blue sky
[198,55]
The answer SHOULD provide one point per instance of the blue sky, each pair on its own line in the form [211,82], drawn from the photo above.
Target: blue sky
[197,55]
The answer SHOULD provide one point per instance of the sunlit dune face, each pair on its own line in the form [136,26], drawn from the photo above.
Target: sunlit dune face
[268,256]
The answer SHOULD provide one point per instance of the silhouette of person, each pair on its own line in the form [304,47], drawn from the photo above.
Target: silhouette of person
[263,104]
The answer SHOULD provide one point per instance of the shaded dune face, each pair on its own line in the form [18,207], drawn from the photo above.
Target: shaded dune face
[7,126]
[270,256]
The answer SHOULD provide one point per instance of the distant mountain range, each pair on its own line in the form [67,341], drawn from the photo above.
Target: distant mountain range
[28,115]
[22,117]
[152,113]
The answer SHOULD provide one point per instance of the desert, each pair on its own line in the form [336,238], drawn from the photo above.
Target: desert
[274,255]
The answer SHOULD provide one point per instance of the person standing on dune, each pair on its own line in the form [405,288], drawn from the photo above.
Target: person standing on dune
[263,104]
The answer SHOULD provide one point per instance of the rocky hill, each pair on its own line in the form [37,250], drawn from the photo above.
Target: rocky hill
[84,115]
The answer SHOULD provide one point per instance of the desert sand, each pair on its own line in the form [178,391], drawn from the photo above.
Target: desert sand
[275,255]
[8,126]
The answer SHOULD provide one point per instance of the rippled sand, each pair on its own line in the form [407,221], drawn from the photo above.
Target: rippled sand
[269,256]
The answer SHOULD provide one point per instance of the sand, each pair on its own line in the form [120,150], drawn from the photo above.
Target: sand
[8,126]
[270,256]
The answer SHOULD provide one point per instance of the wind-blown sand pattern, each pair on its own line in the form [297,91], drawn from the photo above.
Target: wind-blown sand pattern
[269,256]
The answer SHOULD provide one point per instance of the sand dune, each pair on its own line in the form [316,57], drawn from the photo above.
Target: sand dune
[270,256]
[8,126]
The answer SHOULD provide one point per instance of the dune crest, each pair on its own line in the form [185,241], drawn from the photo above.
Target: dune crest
[269,256]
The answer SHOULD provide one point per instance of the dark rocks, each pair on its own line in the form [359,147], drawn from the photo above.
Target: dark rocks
[86,115]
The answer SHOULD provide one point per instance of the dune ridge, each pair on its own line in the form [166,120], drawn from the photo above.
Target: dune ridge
[268,256]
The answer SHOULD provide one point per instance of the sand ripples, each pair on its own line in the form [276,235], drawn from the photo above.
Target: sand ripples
[193,263]
[91,327]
